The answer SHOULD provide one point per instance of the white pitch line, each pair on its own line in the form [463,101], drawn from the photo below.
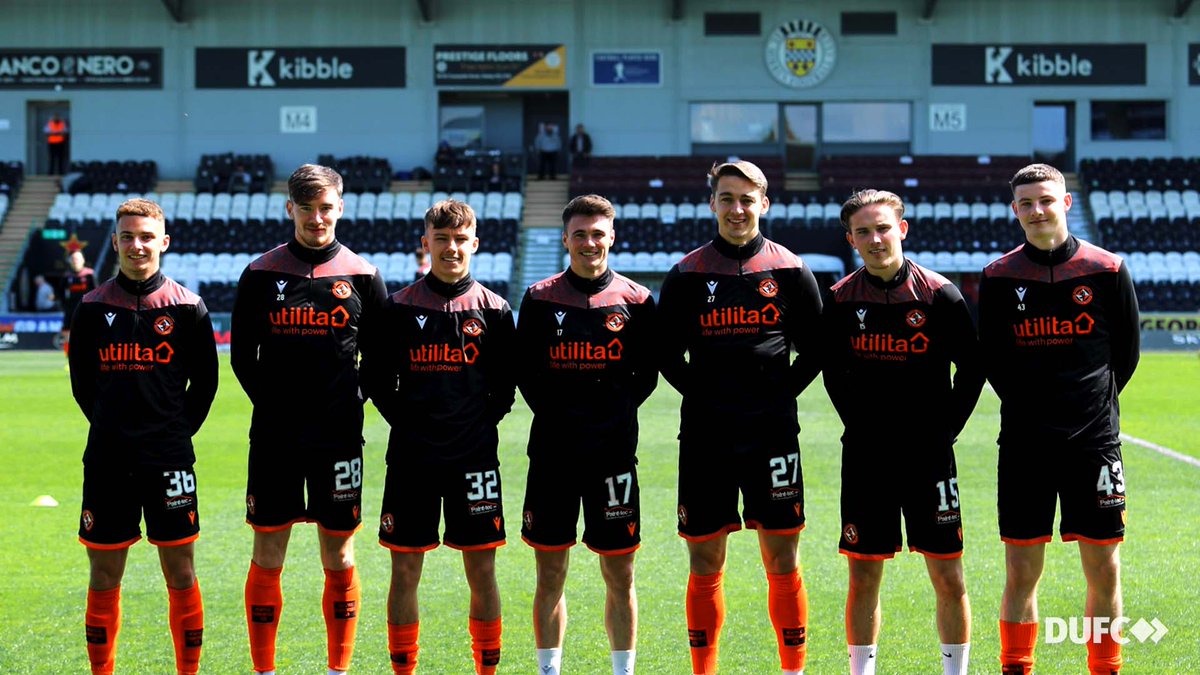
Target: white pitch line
[1187,459]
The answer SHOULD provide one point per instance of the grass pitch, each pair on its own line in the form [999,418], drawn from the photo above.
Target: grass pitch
[42,588]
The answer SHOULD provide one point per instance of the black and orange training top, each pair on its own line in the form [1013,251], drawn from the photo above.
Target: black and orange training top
[587,362]
[143,370]
[294,342]
[1060,334]
[439,364]
[729,317]
[889,346]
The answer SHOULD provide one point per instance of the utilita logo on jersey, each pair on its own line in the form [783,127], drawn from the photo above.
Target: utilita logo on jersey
[738,320]
[131,356]
[1043,331]
[307,320]
[580,355]
[442,358]
[887,347]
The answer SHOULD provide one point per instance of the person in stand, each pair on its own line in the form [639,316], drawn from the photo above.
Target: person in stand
[76,283]
[548,144]
[580,144]
[57,134]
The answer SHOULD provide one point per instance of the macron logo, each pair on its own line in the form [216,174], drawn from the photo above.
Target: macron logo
[1021,292]
[559,316]
[421,319]
[712,287]
[109,316]
[257,62]
[862,315]
[281,285]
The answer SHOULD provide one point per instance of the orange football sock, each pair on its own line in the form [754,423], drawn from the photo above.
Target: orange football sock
[1017,641]
[264,605]
[485,644]
[705,615]
[1104,657]
[788,605]
[186,616]
[340,603]
[102,622]
[402,645]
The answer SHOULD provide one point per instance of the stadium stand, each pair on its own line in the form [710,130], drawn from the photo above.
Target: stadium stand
[956,175]
[110,176]
[478,170]
[361,173]
[214,171]
[1148,210]
[219,234]
[12,174]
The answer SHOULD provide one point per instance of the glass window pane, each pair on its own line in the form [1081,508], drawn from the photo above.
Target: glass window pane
[735,122]
[866,122]
[462,125]
[1129,120]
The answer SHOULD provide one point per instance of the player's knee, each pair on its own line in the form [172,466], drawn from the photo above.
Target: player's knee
[618,574]
[1023,573]
[551,578]
[1103,576]
[865,575]
[949,584]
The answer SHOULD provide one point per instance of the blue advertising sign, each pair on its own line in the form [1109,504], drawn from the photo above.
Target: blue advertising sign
[627,69]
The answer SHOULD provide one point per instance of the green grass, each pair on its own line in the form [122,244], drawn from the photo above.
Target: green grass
[42,588]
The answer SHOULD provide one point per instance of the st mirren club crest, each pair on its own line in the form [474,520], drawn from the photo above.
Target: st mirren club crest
[800,53]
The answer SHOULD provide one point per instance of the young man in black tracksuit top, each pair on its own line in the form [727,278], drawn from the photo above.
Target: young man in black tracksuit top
[736,307]
[439,365]
[894,325]
[144,372]
[587,363]
[1058,319]
[295,329]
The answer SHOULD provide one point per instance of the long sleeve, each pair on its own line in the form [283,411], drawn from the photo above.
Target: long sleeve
[377,369]
[202,372]
[834,358]
[83,361]
[804,318]
[673,334]
[502,380]
[1126,331]
[245,338]
[645,369]
[967,358]
[991,337]
[530,348]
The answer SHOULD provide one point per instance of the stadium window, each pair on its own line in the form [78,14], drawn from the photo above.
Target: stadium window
[868,23]
[735,122]
[732,23]
[1129,120]
[866,122]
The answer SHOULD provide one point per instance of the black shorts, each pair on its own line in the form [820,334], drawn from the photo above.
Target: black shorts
[611,506]
[766,470]
[278,475]
[415,494]
[116,497]
[922,486]
[1088,482]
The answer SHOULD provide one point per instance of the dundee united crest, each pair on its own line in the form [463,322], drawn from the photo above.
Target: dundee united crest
[800,53]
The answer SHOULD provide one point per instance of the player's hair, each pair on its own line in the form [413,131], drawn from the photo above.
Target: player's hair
[1037,173]
[141,207]
[587,205]
[864,198]
[311,180]
[449,213]
[740,168]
